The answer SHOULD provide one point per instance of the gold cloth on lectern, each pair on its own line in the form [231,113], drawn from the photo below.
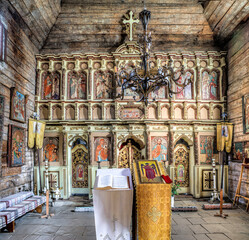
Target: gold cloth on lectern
[153,209]
[224,136]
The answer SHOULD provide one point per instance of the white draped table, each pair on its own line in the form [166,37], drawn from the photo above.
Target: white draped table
[113,209]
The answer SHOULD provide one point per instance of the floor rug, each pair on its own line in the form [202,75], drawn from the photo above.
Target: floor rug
[217,206]
[84,209]
[184,209]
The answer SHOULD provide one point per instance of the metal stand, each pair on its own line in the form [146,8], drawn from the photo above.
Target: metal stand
[47,192]
[214,194]
[47,207]
[221,214]
[99,164]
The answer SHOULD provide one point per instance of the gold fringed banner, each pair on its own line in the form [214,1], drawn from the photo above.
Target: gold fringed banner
[32,127]
[40,134]
[36,133]
[224,136]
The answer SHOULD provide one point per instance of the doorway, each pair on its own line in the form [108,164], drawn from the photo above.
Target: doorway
[129,152]
[79,166]
[181,156]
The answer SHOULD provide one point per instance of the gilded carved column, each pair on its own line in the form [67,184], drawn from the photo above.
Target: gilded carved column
[63,111]
[90,145]
[159,111]
[196,145]
[114,157]
[103,111]
[171,145]
[50,109]
[65,149]
[89,111]
[63,81]
[185,111]
[172,111]
[211,111]
[198,80]
[38,84]
[198,111]
[76,111]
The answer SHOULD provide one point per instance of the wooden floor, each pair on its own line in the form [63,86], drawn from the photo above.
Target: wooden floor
[68,225]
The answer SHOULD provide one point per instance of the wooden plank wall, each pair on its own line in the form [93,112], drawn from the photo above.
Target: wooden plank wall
[238,80]
[84,26]
[18,71]
[225,15]
[39,15]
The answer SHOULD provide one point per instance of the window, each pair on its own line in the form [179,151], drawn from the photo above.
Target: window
[3,41]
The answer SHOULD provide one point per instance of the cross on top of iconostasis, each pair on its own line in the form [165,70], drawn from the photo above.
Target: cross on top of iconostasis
[130,24]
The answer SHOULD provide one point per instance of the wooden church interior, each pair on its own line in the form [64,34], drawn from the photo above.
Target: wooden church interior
[57,52]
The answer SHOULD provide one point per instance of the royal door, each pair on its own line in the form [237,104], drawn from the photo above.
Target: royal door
[181,155]
[128,154]
[79,168]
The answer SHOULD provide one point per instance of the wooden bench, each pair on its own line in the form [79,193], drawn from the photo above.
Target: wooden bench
[17,205]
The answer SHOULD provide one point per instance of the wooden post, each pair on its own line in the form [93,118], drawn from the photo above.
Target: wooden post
[11,227]
[47,207]
[221,214]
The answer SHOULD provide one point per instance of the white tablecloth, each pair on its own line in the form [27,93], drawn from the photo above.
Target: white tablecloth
[113,211]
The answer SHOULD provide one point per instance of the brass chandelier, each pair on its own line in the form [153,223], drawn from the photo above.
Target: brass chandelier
[143,80]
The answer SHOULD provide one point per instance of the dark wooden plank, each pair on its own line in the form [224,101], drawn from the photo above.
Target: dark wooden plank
[230,14]
[185,19]
[234,23]
[219,12]
[29,19]
[62,30]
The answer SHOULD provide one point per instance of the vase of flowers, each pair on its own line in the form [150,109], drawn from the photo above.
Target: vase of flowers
[174,191]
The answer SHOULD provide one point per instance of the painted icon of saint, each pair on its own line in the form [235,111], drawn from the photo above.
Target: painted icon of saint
[205,85]
[80,172]
[159,151]
[150,171]
[213,85]
[50,151]
[47,87]
[101,153]
[17,149]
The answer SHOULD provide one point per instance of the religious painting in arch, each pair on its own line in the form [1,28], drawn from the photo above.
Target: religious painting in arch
[79,164]
[208,149]
[50,149]
[210,85]
[126,67]
[129,152]
[245,111]
[159,148]
[158,94]
[187,92]
[103,82]
[51,85]
[16,146]
[77,85]
[102,149]
[238,151]
[2,107]
[181,155]
[18,106]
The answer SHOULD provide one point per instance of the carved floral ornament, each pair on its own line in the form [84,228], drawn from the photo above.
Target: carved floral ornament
[72,138]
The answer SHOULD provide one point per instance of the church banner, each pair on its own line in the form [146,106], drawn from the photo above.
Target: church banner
[36,133]
[224,136]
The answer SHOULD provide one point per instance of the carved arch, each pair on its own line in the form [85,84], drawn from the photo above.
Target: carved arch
[135,138]
[185,138]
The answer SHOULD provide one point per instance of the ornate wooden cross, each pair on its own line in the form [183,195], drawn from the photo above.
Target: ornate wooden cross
[130,24]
